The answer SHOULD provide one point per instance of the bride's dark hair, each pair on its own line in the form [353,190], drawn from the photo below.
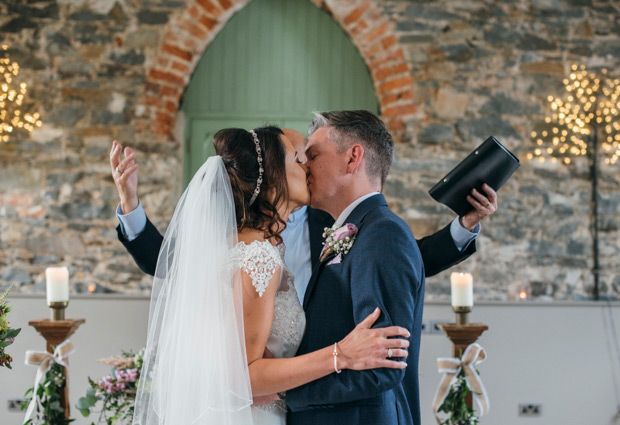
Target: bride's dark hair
[238,151]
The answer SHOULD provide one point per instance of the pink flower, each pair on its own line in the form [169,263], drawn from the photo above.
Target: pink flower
[347,230]
[132,375]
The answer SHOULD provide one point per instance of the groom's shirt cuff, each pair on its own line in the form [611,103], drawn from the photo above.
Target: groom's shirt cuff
[461,236]
[133,223]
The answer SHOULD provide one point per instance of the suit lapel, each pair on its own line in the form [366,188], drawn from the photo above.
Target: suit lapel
[317,221]
[356,217]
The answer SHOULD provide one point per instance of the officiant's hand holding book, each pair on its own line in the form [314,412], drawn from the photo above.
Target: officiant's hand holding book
[482,172]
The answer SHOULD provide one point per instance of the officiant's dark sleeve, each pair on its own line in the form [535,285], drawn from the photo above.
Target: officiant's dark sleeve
[439,251]
[145,248]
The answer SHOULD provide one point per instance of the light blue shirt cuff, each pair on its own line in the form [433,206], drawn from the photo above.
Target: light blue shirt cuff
[461,236]
[133,223]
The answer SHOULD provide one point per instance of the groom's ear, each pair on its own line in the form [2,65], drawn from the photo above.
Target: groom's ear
[356,156]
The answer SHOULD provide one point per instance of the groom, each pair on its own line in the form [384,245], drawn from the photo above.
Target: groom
[349,154]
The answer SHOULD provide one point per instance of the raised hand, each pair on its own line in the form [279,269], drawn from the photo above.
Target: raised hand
[483,205]
[366,348]
[125,175]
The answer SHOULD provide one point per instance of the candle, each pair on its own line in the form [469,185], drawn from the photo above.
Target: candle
[462,289]
[57,284]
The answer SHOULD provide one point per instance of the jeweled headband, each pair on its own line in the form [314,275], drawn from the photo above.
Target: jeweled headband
[260,167]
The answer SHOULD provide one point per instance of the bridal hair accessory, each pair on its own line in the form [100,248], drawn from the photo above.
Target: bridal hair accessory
[338,240]
[451,367]
[260,167]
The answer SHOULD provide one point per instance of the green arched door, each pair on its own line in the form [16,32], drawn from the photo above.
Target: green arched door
[274,62]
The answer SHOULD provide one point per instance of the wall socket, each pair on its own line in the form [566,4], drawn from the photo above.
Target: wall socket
[430,326]
[530,409]
[15,404]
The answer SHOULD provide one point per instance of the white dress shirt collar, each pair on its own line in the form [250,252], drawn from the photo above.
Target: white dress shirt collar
[348,210]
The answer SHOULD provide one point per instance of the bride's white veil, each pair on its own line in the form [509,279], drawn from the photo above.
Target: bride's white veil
[195,368]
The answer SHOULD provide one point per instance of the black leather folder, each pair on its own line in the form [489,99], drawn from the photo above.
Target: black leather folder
[490,163]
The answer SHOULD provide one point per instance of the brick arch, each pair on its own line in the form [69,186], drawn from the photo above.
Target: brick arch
[190,32]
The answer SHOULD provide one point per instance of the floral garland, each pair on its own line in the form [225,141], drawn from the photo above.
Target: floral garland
[49,409]
[455,404]
[7,334]
[116,391]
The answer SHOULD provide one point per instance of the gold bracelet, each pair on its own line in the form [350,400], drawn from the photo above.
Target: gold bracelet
[335,354]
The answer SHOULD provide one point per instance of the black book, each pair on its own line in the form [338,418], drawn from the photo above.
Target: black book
[490,163]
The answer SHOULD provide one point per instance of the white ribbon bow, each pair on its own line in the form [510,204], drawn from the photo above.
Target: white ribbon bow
[44,360]
[451,366]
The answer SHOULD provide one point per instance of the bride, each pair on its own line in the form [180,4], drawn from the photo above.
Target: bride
[225,320]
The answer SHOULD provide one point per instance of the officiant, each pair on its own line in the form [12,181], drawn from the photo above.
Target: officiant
[302,236]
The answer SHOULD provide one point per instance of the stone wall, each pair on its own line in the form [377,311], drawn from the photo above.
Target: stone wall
[476,67]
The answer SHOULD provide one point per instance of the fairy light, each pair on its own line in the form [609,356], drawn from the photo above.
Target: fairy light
[591,105]
[12,96]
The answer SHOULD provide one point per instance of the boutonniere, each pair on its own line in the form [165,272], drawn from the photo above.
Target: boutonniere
[338,240]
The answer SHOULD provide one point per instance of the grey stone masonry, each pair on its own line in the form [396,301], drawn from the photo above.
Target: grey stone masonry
[478,68]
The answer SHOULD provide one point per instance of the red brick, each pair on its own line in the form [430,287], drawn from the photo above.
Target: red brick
[391,98]
[395,125]
[173,50]
[195,30]
[153,101]
[166,77]
[209,7]
[381,74]
[395,84]
[355,14]
[397,111]
[225,4]
[376,32]
[165,118]
[373,50]
[401,68]
[181,67]
[389,41]
[207,22]
[171,106]
[193,11]
[170,91]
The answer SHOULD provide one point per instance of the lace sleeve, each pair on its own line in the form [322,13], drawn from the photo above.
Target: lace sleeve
[261,262]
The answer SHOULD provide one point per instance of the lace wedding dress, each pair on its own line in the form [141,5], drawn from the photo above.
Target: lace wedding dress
[260,260]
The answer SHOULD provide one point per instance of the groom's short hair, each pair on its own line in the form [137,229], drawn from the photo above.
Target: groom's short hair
[347,128]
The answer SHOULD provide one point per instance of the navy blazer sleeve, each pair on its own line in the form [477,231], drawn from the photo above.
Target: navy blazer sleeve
[145,248]
[395,283]
[439,252]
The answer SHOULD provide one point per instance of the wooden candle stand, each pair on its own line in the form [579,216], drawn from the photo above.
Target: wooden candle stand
[56,332]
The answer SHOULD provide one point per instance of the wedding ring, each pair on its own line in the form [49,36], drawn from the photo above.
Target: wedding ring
[119,170]
[389,353]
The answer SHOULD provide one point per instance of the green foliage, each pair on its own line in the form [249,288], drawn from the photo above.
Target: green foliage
[455,404]
[7,334]
[48,410]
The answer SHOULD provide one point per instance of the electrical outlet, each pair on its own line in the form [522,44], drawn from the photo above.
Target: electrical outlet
[530,409]
[15,404]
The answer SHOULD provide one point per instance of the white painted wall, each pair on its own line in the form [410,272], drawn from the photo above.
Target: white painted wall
[553,354]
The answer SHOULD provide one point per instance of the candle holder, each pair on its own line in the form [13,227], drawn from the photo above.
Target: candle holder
[462,314]
[57,310]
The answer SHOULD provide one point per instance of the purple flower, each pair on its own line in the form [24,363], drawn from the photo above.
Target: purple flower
[132,375]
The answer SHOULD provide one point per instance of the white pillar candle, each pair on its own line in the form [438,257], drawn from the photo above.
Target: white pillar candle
[57,284]
[462,285]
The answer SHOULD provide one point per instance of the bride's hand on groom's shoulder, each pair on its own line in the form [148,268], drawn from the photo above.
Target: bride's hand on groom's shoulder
[365,348]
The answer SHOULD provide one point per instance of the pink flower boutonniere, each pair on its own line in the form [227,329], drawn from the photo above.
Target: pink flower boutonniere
[338,240]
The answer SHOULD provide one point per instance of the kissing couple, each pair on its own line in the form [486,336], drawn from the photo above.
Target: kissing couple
[265,311]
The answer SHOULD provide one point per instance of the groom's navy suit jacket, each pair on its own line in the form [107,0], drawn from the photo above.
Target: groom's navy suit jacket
[383,269]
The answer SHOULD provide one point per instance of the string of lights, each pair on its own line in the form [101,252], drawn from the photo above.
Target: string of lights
[12,95]
[588,111]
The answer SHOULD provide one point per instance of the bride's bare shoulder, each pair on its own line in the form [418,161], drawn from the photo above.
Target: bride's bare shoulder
[250,235]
